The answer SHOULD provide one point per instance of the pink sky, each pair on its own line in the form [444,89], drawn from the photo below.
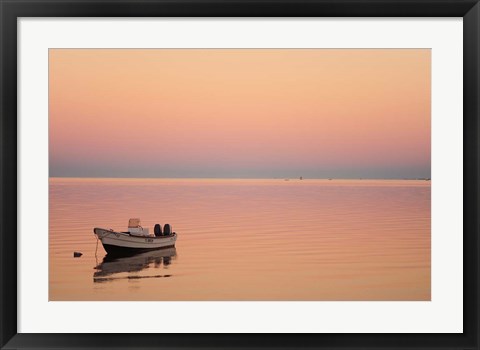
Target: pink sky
[240,113]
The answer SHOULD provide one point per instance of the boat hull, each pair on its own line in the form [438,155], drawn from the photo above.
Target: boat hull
[123,243]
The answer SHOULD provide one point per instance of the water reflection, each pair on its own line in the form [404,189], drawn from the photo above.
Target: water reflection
[112,267]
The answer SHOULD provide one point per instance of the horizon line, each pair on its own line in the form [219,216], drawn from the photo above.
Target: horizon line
[242,178]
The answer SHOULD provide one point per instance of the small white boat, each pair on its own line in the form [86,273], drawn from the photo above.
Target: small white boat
[137,239]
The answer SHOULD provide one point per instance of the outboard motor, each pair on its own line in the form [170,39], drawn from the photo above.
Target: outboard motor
[157,230]
[167,230]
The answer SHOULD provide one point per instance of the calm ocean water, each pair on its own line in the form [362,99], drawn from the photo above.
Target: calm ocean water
[245,239]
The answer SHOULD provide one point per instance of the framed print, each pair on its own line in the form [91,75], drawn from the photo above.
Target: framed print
[246,174]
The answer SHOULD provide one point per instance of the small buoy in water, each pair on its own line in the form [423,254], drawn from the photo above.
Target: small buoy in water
[77,254]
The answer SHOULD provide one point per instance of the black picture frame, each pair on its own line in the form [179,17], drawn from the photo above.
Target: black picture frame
[11,10]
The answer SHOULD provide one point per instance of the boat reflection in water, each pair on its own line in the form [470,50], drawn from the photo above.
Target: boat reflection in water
[114,267]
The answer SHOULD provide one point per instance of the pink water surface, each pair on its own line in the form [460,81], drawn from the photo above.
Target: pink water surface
[266,239]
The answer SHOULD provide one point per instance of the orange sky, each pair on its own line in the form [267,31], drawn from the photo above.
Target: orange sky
[240,113]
